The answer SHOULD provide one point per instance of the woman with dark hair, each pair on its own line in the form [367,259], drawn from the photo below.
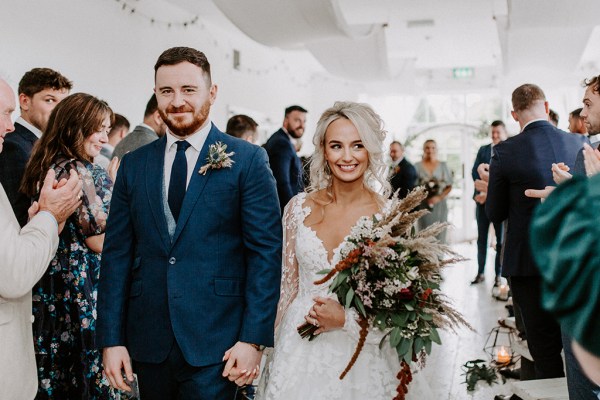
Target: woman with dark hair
[64,300]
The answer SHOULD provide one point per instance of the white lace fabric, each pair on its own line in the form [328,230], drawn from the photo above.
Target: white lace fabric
[302,369]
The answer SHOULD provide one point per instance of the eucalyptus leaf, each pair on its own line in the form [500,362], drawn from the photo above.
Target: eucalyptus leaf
[433,334]
[360,306]
[395,337]
[349,296]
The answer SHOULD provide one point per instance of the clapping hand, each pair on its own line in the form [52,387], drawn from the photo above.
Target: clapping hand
[540,193]
[484,171]
[591,160]
[560,173]
[113,167]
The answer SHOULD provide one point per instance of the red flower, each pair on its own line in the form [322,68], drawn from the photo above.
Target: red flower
[426,294]
[406,294]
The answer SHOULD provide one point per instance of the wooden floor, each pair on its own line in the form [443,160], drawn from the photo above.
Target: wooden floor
[482,311]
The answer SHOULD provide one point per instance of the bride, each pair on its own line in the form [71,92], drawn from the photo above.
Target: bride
[345,170]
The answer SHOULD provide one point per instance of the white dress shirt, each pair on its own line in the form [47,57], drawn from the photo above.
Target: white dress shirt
[196,141]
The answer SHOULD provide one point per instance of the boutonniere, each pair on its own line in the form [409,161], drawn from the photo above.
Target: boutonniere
[218,158]
[396,169]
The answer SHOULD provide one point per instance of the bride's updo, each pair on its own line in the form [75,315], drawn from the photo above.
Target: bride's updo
[370,129]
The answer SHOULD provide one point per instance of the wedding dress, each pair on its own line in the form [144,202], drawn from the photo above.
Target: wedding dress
[302,369]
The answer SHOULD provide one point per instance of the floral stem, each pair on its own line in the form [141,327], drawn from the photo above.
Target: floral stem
[364,330]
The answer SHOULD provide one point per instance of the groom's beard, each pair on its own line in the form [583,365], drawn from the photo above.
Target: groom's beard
[179,126]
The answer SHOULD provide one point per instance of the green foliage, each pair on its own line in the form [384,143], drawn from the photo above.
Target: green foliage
[477,370]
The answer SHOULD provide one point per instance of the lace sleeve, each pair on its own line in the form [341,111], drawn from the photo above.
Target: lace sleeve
[289,273]
[352,328]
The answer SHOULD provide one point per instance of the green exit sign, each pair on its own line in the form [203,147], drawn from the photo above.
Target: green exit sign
[462,73]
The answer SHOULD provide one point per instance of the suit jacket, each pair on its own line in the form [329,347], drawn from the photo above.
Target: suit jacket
[404,178]
[519,163]
[579,168]
[215,281]
[286,166]
[140,136]
[13,160]
[484,155]
[24,256]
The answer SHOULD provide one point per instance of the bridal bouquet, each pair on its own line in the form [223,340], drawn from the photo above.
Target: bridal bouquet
[391,276]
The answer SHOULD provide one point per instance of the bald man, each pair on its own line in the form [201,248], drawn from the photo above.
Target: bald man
[24,256]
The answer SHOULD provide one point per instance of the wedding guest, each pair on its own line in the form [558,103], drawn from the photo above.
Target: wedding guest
[283,160]
[402,174]
[484,155]
[40,90]
[345,171]
[437,179]
[24,256]
[148,131]
[577,123]
[243,127]
[520,163]
[579,386]
[553,117]
[117,133]
[64,300]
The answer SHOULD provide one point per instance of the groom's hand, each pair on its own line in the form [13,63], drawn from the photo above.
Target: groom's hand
[243,363]
[115,359]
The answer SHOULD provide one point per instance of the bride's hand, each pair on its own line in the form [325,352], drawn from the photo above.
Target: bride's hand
[326,314]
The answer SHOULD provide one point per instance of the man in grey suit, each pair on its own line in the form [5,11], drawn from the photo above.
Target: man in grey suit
[24,256]
[151,129]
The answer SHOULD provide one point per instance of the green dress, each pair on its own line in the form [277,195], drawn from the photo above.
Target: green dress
[435,183]
[565,235]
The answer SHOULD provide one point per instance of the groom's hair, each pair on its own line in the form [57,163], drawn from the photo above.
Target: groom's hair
[176,55]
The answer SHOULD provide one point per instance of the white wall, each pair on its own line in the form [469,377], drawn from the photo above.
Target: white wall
[110,53]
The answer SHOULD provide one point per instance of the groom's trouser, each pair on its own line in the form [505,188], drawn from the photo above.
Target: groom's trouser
[175,379]
[483,228]
[542,330]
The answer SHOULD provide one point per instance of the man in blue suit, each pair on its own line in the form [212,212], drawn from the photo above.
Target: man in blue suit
[40,90]
[484,155]
[191,265]
[284,161]
[520,163]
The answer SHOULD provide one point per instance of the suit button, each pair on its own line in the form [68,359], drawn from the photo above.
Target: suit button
[172,260]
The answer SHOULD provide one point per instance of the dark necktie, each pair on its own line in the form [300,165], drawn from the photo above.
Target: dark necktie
[178,180]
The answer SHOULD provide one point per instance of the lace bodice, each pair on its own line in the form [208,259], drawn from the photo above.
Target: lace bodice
[299,369]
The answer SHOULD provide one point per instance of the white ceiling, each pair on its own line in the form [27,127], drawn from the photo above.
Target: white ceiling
[411,45]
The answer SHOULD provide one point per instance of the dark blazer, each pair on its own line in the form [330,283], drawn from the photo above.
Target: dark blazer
[484,155]
[404,178]
[519,163]
[579,168]
[215,282]
[286,166]
[13,160]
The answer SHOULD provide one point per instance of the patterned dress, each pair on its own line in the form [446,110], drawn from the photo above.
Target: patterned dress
[64,300]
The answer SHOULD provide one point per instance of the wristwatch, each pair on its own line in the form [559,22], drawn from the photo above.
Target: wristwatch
[258,347]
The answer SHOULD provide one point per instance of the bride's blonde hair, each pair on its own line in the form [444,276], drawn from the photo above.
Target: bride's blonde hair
[370,129]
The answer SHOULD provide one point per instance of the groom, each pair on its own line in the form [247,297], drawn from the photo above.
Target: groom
[191,263]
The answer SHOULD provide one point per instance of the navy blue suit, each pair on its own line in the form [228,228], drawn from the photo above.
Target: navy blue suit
[286,166]
[13,160]
[484,155]
[215,282]
[404,178]
[524,162]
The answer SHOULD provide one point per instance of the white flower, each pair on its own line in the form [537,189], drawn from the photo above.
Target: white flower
[413,273]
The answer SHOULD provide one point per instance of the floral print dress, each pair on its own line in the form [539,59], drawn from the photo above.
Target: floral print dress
[64,300]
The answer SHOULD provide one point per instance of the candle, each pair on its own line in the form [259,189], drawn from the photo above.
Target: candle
[503,292]
[503,356]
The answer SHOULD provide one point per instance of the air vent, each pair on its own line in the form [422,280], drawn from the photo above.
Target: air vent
[420,23]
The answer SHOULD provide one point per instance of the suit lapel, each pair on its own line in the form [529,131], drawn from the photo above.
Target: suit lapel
[196,185]
[154,186]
